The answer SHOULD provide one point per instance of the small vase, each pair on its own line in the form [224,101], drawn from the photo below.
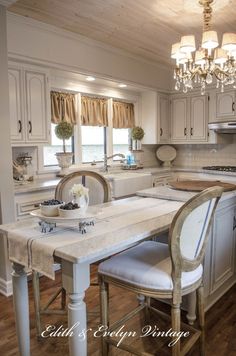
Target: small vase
[82,201]
[136,145]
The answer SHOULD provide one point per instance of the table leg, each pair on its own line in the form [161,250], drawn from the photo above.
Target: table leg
[21,306]
[75,280]
[191,316]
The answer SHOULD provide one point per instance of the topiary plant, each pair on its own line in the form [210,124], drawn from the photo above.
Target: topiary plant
[137,133]
[64,131]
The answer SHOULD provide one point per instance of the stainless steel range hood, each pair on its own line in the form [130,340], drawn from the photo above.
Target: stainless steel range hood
[227,127]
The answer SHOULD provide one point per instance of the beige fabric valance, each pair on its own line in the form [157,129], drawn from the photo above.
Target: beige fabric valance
[123,115]
[93,111]
[63,108]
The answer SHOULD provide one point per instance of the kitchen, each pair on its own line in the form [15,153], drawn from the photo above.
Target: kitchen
[132,69]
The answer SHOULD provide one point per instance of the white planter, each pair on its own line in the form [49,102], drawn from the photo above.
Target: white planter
[136,145]
[83,202]
[64,162]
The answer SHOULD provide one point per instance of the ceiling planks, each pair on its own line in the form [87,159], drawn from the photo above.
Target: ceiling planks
[144,28]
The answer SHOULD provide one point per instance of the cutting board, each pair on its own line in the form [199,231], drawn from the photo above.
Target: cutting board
[199,185]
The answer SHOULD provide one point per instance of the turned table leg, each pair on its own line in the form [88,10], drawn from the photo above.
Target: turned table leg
[75,280]
[21,306]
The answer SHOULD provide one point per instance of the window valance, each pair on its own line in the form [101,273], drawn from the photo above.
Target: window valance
[123,115]
[94,111]
[63,108]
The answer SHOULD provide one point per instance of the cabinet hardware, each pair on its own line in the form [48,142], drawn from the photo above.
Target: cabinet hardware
[191,131]
[161,131]
[20,126]
[185,131]
[36,205]
[208,97]
[30,127]
[233,106]
[234,224]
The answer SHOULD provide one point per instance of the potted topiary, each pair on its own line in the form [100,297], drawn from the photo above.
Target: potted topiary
[137,135]
[64,131]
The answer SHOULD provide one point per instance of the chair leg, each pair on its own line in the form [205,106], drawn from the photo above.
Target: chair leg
[36,289]
[175,318]
[104,304]
[201,313]
[63,299]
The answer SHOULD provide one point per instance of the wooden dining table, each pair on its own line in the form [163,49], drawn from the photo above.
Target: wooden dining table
[120,224]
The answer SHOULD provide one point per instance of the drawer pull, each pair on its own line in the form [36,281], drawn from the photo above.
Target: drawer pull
[20,126]
[30,127]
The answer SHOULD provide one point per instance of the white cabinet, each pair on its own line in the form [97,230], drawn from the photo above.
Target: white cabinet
[220,271]
[225,105]
[189,119]
[15,103]
[155,117]
[179,120]
[164,118]
[29,105]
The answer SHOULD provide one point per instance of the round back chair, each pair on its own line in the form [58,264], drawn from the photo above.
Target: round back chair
[99,187]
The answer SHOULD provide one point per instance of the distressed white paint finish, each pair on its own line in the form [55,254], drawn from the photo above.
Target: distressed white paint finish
[21,307]
[6,181]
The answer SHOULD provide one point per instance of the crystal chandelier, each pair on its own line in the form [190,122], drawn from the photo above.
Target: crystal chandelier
[210,63]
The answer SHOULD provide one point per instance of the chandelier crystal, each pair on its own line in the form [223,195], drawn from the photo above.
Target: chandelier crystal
[210,63]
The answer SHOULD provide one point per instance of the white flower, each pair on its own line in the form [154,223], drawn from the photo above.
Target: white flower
[79,190]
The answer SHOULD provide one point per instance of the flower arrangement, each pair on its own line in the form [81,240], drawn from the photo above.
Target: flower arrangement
[78,190]
[64,131]
[137,133]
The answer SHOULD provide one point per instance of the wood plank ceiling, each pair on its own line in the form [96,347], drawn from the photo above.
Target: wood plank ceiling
[143,28]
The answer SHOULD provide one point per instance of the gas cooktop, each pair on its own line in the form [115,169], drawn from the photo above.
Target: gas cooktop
[221,168]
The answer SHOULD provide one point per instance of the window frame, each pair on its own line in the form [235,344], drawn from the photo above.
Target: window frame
[108,136]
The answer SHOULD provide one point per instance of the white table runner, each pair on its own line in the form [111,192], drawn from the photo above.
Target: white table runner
[35,250]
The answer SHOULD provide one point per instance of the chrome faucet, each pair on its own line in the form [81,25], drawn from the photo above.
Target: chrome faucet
[106,158]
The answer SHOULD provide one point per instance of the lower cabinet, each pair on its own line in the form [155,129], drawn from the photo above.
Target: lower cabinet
[26,202]
[220,270]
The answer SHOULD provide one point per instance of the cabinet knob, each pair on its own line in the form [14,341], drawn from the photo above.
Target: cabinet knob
[20,126]
[191,131]
[185,131]
[161,131]
[30,127]
[233,108]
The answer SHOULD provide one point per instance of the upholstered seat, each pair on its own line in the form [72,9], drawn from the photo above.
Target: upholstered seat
[147,265]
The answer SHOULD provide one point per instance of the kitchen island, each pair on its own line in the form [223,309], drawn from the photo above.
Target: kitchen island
[220,260]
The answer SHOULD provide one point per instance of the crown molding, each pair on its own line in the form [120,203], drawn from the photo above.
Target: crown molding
[7,3]
[14,18]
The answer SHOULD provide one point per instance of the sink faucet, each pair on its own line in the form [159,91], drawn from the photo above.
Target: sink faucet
[106,158]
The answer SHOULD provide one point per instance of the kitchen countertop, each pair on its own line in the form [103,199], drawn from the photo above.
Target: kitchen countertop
[50,183]
[168,193]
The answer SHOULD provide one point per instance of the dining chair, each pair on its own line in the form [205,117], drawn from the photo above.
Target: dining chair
[161,271]
[99,192]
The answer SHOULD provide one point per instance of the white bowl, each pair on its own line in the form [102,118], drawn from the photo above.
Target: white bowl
[50,210]
[69,213]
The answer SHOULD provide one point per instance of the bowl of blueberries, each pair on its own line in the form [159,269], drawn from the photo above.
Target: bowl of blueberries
[51,207]
[69,210]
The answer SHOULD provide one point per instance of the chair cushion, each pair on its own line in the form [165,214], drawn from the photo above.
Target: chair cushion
[147,265]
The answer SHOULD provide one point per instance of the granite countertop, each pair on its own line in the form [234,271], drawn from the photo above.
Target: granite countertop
[36,185]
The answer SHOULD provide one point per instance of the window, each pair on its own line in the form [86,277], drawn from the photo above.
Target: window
[49,158]
[120,141]
[92,143]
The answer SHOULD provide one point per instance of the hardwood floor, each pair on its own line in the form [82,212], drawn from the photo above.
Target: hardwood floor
[220,325]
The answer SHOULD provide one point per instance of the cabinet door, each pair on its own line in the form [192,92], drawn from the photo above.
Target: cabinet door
[15,102]
[179,120]
[37,118]
[164,119]
[198,118]
[223,246]
[225,105]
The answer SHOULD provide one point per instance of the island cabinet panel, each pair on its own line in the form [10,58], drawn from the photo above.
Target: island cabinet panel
[29,105]
[36,106]
[15,105]
[225,105]
[220,260]
[179,120]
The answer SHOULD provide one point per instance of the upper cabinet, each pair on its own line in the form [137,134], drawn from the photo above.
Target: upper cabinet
[155,118]
[189,122]
[225,105]
[29,105]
